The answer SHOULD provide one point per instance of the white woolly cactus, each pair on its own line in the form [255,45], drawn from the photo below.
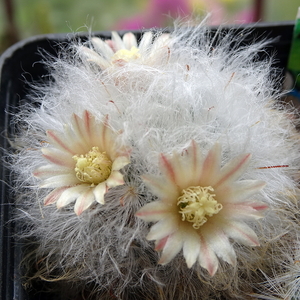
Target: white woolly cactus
[153,140]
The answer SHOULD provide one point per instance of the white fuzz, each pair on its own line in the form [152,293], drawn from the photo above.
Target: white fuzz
[169,101]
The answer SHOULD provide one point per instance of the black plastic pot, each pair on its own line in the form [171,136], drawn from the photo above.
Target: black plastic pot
[21,65]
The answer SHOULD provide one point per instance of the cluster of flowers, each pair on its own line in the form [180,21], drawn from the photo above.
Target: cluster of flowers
[181,166]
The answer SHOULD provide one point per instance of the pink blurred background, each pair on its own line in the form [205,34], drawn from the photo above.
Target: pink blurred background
[20,19]
[157,13]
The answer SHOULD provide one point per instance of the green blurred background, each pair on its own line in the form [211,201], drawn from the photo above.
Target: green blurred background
[20,19]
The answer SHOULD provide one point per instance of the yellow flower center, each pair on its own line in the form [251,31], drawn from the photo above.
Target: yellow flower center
[93,167]
[126,55]
[196,203]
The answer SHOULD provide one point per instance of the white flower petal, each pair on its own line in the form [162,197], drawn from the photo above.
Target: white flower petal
[54,195]
[160,51]
[115,179]
[59,141]
[153,211]
[239,191]
[219,243]
[207,258]
[247,210]
[192,165]
[120,162]
[74,141]
[185,166]
[129,40]
[160,244]
[164,189]
[145,42]
[171,168]
[105,139]
[50,170]
[240,232]
[58,157]
[191,247]
[233,170]
[59,181]
[99,192]
[211,166]
[81,127]
[160,42]
[102,47]
[87,133]
[84,201]
[256,205]
[89,127]
[71,194]
[92,56]
[118,42]
[163,228]
[172,248]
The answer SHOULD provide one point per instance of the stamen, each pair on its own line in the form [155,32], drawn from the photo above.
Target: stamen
[125,55]
[197,203]
[94,167]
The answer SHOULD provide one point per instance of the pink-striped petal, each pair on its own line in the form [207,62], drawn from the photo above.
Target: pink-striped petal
[218,241]
[207,258]
[50,170]
[105,138]
[247,210]
[257,205]
[192,165]
[171,168]
[78,145]
[240,232]
[58,157]
[84,201]
[115,179]
[160,244]
[99,191]
[57,139]
[83,129]
[54,195]
[163,228]
[112,45]
[153,211]
[59,181]
[71,194]
[233,170]
[89,125]
[238,191]
[79,128]
[164,189]
[172,248]
[211,166]
[167,167]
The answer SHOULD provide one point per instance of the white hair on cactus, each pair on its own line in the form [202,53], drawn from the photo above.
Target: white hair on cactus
[205,87]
